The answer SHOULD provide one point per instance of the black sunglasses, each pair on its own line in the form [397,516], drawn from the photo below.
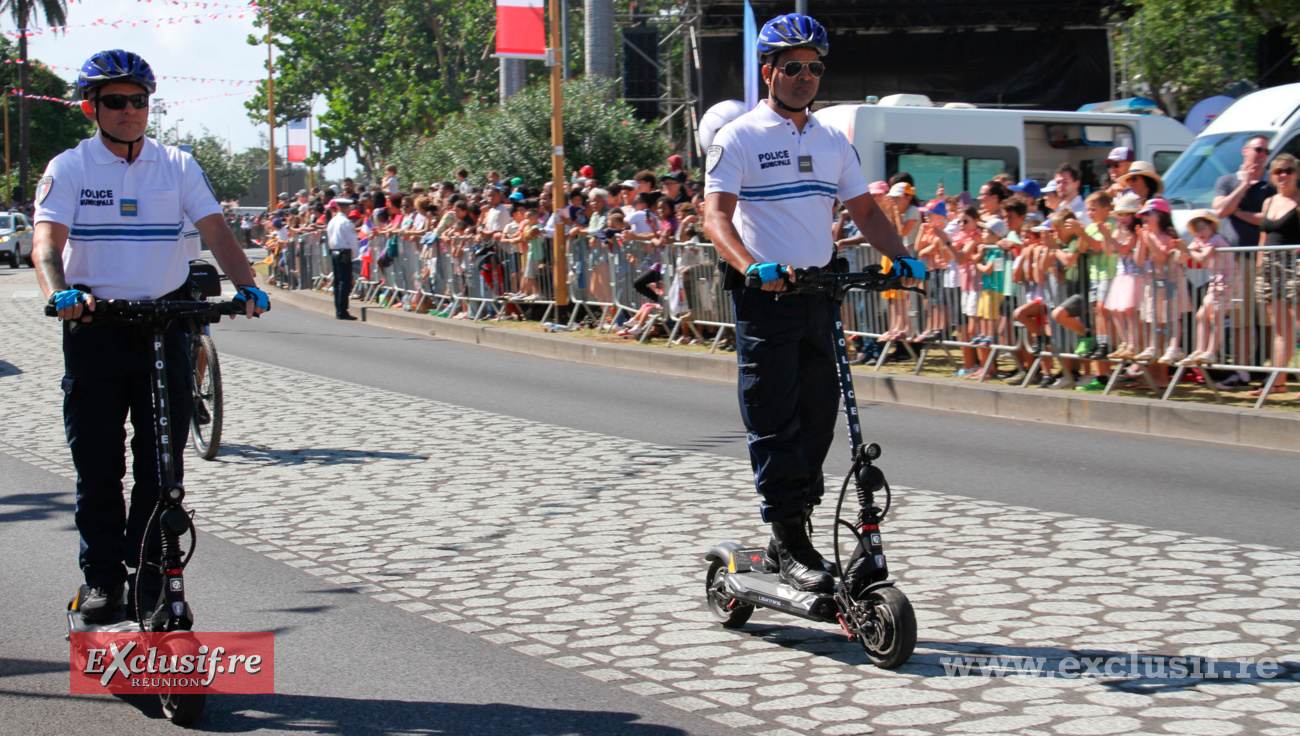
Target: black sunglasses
[118,102]
[1284,170]
[793,68]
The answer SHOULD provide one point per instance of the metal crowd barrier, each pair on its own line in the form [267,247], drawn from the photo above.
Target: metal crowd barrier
[1243,312]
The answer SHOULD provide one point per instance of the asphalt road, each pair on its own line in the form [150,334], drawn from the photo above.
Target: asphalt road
[1237,493]
[329,644]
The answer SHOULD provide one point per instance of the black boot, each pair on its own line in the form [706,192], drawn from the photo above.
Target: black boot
[799,564]
[103,604]
[771,563]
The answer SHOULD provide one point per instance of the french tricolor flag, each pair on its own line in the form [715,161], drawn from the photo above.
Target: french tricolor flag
[521,29]
[297,141]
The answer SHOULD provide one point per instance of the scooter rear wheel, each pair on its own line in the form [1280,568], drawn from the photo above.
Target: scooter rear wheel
[183,709]
[888,641]
[729,612]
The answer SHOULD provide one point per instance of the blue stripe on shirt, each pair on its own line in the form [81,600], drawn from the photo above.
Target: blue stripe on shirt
[789,184]
[789,193]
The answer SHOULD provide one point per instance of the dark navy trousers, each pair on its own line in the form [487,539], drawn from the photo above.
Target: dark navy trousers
[342,280]
[106,379]
[789,394]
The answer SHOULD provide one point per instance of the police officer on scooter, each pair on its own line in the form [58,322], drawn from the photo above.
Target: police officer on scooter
[771,179]
[110,216]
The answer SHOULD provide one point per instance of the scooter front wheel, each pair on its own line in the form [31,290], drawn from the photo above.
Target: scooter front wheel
[183,709]
[729,612]
[888,627]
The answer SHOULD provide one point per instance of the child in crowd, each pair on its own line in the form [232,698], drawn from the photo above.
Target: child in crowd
[1062,235]
[1039,271]
[1101,270]
[941,282]
[1219,291]
[989,307]
[1165,297]
[963,250]
[1126,288]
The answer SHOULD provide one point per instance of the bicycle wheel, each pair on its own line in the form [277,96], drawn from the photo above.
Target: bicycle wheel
[205,422]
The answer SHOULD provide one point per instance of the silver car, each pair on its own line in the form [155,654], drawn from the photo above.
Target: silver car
[15,239]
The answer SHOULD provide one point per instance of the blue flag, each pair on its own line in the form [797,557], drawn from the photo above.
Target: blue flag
[751,58]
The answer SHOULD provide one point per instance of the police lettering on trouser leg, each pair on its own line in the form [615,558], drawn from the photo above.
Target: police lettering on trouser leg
[110,218]
[771,180]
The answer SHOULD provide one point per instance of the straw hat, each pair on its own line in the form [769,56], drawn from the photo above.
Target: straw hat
[1144,168]
[1127,203]
[1207,215]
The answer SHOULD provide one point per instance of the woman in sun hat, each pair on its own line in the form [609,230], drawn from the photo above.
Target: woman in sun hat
[1142,180]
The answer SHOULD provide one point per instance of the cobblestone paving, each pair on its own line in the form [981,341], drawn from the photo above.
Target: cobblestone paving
[586,550]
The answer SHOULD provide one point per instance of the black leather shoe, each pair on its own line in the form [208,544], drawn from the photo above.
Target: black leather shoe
[771,561]
[799,565]
[103,604]
[345,315]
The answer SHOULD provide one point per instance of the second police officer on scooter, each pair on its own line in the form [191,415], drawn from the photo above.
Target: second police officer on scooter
[110,217]
[771,180]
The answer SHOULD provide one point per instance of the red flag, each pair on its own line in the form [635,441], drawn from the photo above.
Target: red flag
[521,29]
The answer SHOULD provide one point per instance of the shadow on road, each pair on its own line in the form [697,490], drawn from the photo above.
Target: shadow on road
[309,456]
[36,506]
[323,715]
[9,369]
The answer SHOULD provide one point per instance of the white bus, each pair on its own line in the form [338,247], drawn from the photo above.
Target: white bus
[963,147]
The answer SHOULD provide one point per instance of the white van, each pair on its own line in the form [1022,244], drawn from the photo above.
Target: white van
[964,147]
[1273,113]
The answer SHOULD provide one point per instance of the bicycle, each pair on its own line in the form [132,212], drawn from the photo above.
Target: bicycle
[171,612]
[864,601]
[209,411]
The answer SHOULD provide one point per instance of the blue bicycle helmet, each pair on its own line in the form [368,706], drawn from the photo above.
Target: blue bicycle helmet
[111,66]
[792,31]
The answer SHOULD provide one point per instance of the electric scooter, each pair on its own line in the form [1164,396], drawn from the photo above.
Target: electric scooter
[864,601]
[170,612]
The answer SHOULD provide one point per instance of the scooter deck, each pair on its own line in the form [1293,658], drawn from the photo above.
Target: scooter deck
[77,626]
[766,590]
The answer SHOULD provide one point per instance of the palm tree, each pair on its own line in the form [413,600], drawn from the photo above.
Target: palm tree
[56,14]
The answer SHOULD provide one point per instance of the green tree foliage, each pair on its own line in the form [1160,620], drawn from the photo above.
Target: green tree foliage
[231,177]
[1181,51]
[387,69]
[515,138]
[58,127]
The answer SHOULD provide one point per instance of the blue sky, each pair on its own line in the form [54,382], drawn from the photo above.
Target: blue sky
[212,48]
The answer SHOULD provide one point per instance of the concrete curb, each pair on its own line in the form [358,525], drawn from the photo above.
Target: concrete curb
[1276,430]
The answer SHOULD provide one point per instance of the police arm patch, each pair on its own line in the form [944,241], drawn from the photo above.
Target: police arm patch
[43,188]
[711,158]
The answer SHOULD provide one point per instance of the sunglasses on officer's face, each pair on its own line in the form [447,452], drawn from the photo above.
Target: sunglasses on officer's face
[793,68]
[118,102]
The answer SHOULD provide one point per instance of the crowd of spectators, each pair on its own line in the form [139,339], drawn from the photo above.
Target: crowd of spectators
[1088,281]
[1081,281]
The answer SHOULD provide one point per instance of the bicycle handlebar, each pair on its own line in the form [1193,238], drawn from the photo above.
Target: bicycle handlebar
[126,311]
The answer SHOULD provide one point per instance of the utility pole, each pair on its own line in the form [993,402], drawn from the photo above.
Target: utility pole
[311,170]
[270,119]
[555,57]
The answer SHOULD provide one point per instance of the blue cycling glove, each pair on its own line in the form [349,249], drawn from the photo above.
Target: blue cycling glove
[908,268]
[67,298]
[253,294]
[767,272]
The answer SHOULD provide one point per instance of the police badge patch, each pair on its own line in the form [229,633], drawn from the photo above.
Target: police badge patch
[711,158]
[43,188]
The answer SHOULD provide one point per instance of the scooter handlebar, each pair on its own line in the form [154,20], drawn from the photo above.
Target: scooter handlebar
[128,311]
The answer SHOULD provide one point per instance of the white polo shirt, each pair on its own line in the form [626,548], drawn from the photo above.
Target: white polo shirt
[126,222]
[784,214]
